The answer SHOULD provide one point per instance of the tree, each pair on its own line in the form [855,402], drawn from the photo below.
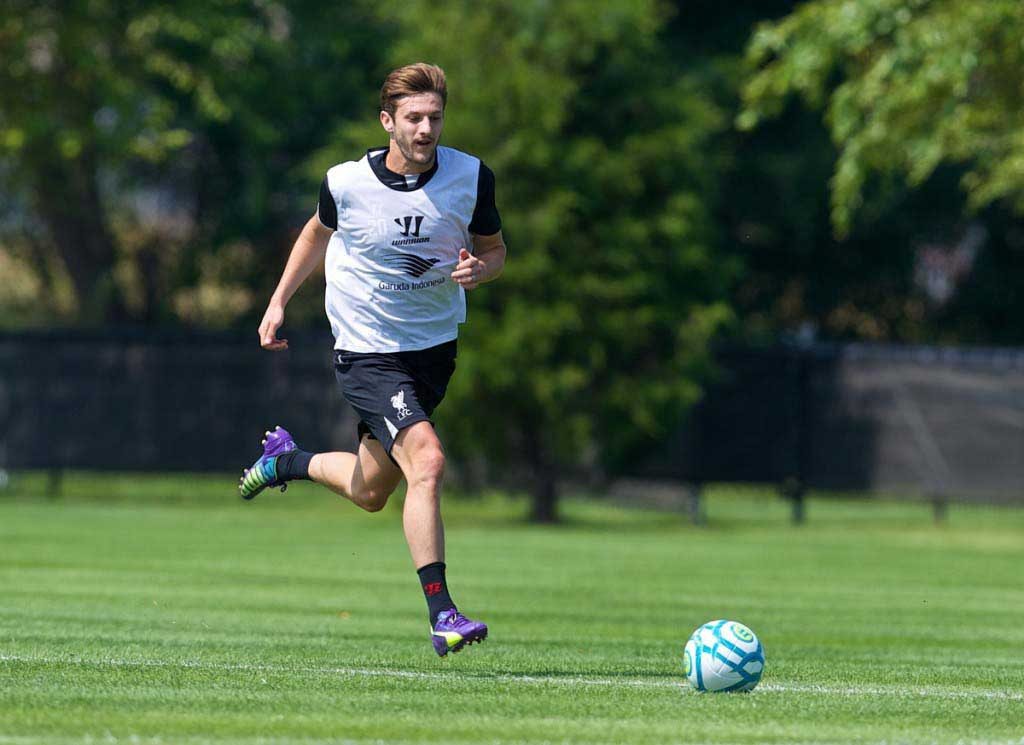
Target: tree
[596,339]
[918,97]
[906,85]
[146,142]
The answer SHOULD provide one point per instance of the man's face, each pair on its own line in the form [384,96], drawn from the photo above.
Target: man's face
[416,126]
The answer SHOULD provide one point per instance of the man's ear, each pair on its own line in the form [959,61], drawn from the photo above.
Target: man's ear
[387,122]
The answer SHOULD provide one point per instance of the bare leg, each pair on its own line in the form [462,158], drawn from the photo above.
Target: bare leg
[366,477]
[419,453]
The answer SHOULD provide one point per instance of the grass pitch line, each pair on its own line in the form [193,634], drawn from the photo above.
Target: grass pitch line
[561,680]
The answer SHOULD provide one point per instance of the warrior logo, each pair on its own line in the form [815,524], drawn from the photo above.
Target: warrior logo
[407,222]
[414,266]
[398,401]
[410,225]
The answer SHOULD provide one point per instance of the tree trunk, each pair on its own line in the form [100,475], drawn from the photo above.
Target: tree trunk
[544,486]
[67,199]
[545,500]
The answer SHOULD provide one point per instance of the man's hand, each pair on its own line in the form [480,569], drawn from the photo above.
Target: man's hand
[470,271]
[272,321]
[307,254]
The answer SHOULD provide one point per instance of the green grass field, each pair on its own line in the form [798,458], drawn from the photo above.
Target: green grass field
[168,611]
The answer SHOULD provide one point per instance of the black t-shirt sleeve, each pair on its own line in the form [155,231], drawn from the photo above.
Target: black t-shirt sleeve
[327,209]
[486,220]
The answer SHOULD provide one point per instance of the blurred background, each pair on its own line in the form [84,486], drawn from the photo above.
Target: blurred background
[756,241]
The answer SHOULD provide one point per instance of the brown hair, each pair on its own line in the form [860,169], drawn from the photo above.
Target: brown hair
[412,79]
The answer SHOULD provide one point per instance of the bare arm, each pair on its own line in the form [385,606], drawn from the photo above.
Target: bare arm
[485,263]
[307,254]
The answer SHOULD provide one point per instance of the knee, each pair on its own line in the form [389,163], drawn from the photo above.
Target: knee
[428,467]
[371,500]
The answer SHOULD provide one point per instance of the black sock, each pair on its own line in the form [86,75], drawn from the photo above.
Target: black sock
[293,465]
[435,589]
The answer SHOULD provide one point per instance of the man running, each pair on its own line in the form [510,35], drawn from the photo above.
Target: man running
[402,233]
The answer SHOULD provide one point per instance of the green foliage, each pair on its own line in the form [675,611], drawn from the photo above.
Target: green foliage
[197,132]
[144,136]
[907,85]
[595,340]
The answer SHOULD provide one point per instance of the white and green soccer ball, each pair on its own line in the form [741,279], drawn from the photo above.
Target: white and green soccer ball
[723,656]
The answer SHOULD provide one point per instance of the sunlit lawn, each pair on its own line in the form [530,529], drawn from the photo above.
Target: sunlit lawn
[163,609]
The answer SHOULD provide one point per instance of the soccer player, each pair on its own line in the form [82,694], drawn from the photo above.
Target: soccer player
[403,232]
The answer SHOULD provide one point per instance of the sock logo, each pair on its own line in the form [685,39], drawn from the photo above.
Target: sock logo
[432,588]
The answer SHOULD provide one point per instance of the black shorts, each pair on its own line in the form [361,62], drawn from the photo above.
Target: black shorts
[394,390]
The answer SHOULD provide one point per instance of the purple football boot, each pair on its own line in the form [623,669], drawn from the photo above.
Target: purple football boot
[453,631]
[263,473]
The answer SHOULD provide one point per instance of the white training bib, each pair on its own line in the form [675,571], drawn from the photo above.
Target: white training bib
[389,262]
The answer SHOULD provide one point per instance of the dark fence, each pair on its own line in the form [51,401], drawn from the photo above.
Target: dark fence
[173,401]
[942,424]
[936,423]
